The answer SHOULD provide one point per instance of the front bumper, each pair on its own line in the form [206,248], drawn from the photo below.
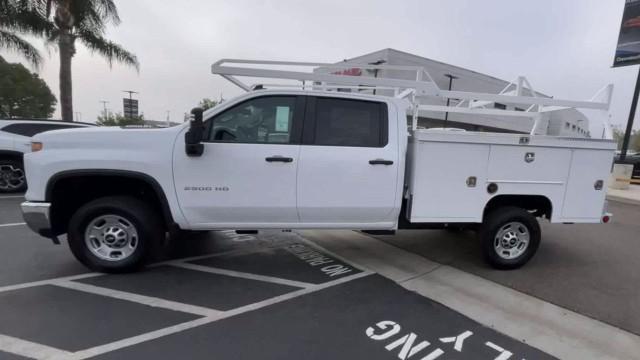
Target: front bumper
[37,217]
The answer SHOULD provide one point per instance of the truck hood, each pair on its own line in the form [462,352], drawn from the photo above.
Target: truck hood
[107,138]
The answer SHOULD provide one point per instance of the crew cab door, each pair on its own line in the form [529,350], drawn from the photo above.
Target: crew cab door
[247,173]
[349,161]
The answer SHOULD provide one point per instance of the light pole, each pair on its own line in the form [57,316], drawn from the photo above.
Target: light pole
[446,115]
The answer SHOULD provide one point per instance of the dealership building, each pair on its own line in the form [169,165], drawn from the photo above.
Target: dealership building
[560,122]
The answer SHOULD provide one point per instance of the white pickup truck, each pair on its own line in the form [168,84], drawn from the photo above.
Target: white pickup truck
[310,159]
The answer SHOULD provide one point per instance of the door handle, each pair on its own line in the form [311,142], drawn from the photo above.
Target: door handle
[278,158]
[381,162]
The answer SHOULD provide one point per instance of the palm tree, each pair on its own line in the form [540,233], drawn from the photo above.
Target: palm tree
[83,20]
[20,16]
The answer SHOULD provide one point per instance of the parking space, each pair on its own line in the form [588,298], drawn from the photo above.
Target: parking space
[273,295]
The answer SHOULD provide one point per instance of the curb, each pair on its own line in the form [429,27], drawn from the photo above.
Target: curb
[623,200]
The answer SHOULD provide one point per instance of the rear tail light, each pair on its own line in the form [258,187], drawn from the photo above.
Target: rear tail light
[606,218]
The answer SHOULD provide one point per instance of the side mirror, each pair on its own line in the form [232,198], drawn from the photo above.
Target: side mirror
[193,137]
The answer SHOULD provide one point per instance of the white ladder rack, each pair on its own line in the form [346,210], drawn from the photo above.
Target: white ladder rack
[422,86]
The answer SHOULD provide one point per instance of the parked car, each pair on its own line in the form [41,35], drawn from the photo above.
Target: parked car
[15,141]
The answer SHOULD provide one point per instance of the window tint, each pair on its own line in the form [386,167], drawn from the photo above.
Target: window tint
[33,129]
[343,122]
[261,120]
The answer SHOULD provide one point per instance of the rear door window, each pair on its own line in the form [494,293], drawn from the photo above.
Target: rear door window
[346,122]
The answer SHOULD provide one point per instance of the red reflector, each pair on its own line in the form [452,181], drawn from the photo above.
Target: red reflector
[605,219]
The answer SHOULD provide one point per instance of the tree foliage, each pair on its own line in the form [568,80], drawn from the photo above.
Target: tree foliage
[18,17]
[85,21]
[207,103]
[118,119]
[634,141]
[23,94]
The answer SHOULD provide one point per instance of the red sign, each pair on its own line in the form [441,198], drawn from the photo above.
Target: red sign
[349,72]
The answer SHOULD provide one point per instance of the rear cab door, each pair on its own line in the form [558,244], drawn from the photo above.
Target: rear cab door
[349,171]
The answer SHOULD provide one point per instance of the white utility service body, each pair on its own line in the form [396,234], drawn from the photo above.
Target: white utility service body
[563,170]
[313,158]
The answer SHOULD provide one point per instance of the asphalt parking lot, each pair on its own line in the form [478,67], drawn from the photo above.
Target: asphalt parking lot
[591,269]
[274,295]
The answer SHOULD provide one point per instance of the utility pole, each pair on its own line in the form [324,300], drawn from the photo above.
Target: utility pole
[446,115]
[168,118]
[104,106]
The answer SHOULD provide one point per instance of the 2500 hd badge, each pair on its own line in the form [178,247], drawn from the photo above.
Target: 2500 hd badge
[206,188]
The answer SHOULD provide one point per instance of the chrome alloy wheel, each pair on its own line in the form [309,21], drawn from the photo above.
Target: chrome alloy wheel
[111,237]
[11,177]
[511,240]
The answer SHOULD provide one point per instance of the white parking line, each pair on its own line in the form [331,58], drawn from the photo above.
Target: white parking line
[47,282]
[206,256]
[102,349]
[13,224]
[30,349]
[243,275]
[141,299]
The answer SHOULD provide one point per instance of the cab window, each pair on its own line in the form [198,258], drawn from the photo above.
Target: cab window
[268,119]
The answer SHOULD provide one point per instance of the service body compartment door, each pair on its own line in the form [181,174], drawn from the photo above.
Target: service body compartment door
[448,182]
[583,202]
[348,171]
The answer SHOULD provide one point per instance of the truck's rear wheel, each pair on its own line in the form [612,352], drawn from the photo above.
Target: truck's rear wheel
[12,177]
[510,237]
[114,234]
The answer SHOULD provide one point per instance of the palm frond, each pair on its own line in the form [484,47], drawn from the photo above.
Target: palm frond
[110,50]
[13,42]
[24,18]
[107,10]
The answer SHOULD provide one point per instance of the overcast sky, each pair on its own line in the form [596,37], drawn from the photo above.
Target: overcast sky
[564,47]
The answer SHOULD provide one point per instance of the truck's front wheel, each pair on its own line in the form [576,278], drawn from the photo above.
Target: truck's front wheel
[114,234]
[510,237]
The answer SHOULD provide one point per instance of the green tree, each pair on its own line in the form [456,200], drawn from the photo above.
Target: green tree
[207,103]
[634,141]
[118,119]
[22,17]
[86,21]
[23,94]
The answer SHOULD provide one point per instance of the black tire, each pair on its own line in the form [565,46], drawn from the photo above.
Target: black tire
[146,224]
[497,223]
[10,184]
